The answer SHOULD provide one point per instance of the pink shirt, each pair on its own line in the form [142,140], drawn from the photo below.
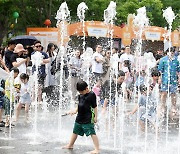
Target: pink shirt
[96,90]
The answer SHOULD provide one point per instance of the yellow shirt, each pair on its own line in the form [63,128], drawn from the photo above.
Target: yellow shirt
[7,90]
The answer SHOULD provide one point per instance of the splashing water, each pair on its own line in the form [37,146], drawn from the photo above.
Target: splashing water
[37,59]
[110,13]
[87,57]
[149,60]
[82,7]
[62,16]
[141,19]
[169,15]
[11,86]
[63,13]
[109,16]
[81,15]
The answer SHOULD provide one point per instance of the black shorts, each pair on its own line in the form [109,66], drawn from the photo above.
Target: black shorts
[41,79]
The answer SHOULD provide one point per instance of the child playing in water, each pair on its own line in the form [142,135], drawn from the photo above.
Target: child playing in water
[96,89]
[25,97]
[86,117]
[2,92]
[147,108]
[155,74]
[10,98]
[140,79]
[126,68]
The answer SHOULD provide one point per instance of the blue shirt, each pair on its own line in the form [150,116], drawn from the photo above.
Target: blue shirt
[42,68]
[174,68]
[140,81]
[176,53]
[149,101]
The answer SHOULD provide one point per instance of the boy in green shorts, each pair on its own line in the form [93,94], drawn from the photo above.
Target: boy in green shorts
[86,116]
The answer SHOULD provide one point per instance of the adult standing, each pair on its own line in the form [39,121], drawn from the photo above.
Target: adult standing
[126,56]
[97,64]
[9,53]
[75,64]
[2,63]
[122,51]
[106,66]
[86,64]
[170,77]
[41,68]
[50,79]
[158,56]
[114,61]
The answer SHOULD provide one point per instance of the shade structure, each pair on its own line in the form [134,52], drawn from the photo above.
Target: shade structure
[24,39]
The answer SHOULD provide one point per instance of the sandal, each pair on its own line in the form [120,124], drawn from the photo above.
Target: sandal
[7,125]
[2,124]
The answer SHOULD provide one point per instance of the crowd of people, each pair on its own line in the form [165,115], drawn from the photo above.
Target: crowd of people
[106,71]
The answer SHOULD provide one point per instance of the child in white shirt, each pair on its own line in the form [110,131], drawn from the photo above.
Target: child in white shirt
[25,97]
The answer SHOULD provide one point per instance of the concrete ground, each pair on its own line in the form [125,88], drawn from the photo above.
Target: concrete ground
[48,131]
[44,137]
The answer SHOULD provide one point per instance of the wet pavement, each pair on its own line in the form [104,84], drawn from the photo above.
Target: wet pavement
[48,131]
[43,138]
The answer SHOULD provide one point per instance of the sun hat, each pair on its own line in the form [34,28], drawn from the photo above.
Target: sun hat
[18,48]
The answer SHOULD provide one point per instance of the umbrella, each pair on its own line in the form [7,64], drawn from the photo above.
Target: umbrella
[24,39]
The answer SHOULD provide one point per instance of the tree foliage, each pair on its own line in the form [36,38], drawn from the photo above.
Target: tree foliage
[34,12]
[175,4]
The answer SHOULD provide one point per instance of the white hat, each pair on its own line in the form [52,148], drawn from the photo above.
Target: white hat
[19,48]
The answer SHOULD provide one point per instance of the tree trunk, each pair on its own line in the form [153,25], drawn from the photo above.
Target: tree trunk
[3,30]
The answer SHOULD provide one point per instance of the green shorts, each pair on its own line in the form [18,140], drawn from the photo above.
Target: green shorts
[81,129]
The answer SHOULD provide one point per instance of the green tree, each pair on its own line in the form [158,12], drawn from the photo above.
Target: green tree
[175,4]
[6,11]
[32,13]
[153,9]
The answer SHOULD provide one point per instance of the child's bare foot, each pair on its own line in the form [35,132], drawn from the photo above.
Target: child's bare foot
[174,110]
[15,120]
[67,147]
[95,152]
[27,121]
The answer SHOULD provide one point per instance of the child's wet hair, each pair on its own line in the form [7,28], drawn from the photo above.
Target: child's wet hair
[142,88]
[24,76]
[15,69]
[121,73]
[155,73]
[127,63]
[81,85]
